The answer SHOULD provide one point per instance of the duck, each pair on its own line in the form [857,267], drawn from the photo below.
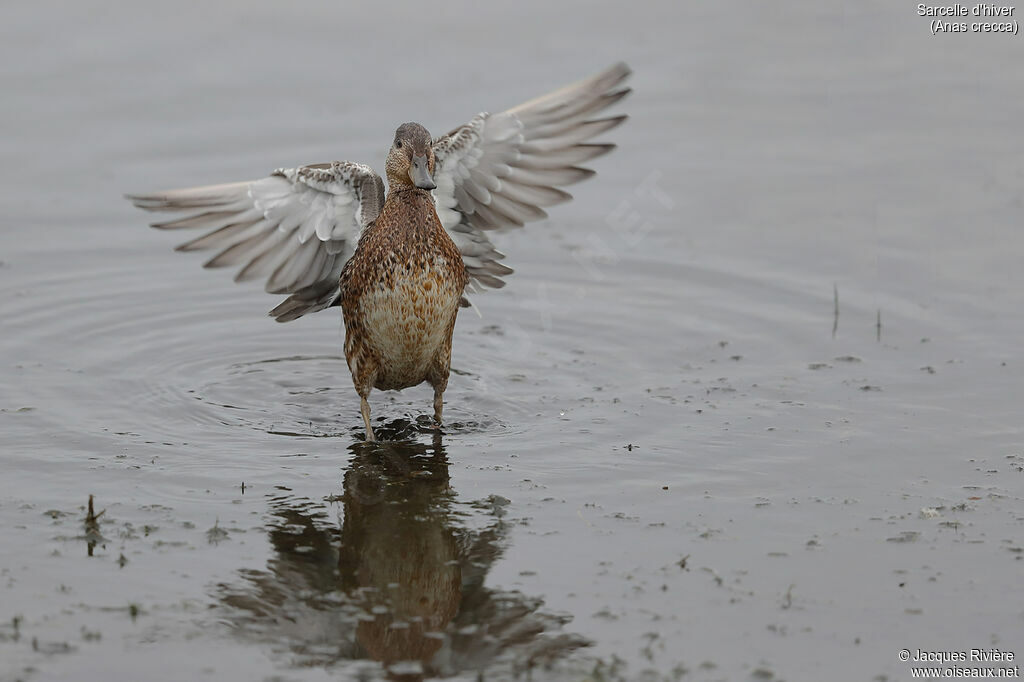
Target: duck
[401,262]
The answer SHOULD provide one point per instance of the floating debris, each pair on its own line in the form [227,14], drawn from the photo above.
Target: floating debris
[50,648]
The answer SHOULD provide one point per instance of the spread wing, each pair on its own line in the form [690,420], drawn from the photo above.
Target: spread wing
[296,228]
[500,170]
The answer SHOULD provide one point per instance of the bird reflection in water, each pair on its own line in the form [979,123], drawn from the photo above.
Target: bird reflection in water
[399,554]
[398,590]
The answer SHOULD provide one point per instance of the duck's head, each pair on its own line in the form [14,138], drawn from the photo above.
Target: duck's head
[411,159]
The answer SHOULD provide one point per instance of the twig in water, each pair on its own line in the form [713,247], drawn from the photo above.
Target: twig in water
[787,599]
[835,312]
[92,527]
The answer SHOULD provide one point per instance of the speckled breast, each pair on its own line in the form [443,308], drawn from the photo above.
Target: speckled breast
[407,326]
[401,295]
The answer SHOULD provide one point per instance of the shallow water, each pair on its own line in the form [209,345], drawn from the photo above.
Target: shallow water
[667,455]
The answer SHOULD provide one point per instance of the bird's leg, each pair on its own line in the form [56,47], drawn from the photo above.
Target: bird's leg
[438,405]
[439,375]
[364,407]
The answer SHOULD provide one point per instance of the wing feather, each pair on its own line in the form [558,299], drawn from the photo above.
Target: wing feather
[296,227]
[563,157]
[211,239]
[498,171]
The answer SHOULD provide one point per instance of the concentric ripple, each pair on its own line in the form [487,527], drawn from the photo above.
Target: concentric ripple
[159,360]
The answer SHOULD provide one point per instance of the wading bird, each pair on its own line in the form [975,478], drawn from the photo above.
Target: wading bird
[400,265]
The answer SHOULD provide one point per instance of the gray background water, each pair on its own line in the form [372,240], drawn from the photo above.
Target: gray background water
[661,458]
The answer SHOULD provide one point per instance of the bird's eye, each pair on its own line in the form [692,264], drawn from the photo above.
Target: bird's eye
[398,144]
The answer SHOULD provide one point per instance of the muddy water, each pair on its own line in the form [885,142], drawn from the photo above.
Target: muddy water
[749,407]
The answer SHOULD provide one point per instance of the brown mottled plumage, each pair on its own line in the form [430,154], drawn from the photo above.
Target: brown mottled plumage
[401,288]
[422,249]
